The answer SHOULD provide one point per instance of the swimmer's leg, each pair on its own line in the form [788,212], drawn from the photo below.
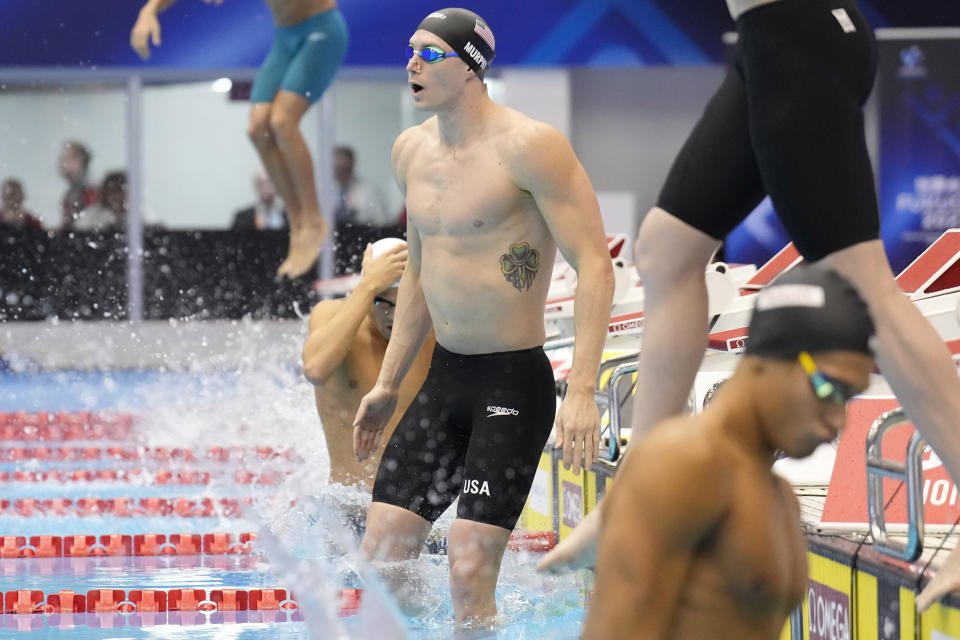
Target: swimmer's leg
[475,551]
[393,535]
[266,145]
[671,257]
[308,230]
[713,184]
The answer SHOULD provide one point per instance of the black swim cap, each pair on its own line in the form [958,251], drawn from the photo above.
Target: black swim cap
[467,33]
[810,308]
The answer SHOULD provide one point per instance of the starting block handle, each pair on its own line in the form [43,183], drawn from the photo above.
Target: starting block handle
[613,393]
[909,472]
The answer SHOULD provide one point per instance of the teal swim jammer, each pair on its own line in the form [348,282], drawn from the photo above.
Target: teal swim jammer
[304,58]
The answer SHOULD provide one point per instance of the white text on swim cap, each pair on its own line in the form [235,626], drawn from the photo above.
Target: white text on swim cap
[474,53]
[437,14]
[791,295]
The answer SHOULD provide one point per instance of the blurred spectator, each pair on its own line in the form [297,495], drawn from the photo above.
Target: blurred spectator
[111,208]
[74,162]
[358,202]
[12,211]
[266,213]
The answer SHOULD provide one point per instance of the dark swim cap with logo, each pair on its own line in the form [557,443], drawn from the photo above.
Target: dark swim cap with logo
[810,308]
[467,33]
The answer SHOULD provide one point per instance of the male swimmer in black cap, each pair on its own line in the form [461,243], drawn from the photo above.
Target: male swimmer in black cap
[700,539]
[805,68]
[491,195]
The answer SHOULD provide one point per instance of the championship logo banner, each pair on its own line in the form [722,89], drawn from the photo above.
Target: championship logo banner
[918,89]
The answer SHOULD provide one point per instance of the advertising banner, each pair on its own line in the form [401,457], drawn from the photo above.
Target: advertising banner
[919,144]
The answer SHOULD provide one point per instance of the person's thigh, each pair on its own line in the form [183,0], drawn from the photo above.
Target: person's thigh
[318,59]
[422,464]
[714,182]
[270,75]
[511,424]
[807,76]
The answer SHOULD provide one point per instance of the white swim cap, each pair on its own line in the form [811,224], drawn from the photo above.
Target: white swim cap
[383,245]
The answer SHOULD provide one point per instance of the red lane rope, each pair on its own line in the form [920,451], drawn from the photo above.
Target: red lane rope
[183,544]
[126,507]
[158,454]
[147,544]
[143,478]
[109,608]
[44,426]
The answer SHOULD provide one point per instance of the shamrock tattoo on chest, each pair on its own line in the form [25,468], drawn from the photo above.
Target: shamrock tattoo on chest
[520,265]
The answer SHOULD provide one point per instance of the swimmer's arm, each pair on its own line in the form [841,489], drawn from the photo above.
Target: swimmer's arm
[146,29]
[412,322]
[156,6]
[547,167]
[662,506]
[333,328]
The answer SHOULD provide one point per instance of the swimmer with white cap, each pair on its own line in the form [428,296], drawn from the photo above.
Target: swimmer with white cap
[700,539]
[343,354]
[491,196]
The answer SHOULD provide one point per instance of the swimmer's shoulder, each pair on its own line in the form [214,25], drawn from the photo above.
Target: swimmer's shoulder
[681,445]
[323,312]
[407,144]
[410,139]
[675,471]
[525,142]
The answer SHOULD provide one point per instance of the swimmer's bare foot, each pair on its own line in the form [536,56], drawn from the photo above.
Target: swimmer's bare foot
[578,550]
[947,579]
[305,242]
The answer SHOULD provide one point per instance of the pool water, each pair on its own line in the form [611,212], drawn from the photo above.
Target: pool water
[224,451]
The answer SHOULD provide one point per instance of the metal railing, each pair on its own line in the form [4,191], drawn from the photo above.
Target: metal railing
[613,402]
[910,472]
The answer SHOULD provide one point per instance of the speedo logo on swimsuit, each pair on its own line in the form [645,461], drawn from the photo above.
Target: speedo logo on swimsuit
[316,35]
[476,487]
[474,53]
[500,411]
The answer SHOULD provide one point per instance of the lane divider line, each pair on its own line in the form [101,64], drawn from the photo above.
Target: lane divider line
[143,478]
[147,544]
[157,454]
[185,544]
[126,507]
[31,609]
[44,426]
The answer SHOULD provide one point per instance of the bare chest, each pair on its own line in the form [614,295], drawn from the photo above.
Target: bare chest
[761,551]
[462,194]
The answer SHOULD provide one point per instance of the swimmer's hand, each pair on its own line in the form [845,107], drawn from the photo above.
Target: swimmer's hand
[578,430]
[386,269]
[376,409]
[578,550]
[147,28]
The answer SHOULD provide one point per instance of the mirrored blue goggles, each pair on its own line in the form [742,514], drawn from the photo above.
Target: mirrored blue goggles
[430,54]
